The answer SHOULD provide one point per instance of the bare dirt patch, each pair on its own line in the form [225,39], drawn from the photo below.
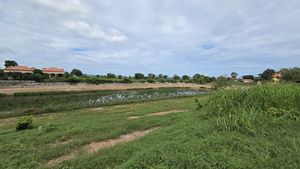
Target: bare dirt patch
[157,114]
[97,109]
[61,159]
[97,146]
[133,117]
[166,112]
[7,121]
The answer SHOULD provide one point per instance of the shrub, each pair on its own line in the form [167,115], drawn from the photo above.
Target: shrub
[221,83]
[150,81]
[24,123]
[126,80]
[74,80]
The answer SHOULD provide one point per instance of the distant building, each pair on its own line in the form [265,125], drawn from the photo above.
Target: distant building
[248,78]
[53,71]
[276,77]
[19,69]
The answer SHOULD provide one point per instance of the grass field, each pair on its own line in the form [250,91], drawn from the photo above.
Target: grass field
[38,103]
[231,130]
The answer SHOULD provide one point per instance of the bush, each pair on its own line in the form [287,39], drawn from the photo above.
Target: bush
[221,83]
[126,80]
[74,80]
[150,81]
[24,123]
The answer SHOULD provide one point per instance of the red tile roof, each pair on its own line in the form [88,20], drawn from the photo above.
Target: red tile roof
[19,68]
[53,69]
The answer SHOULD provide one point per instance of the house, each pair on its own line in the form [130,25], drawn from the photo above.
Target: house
[19,69]
[276,77]
[248,78]
[53,71]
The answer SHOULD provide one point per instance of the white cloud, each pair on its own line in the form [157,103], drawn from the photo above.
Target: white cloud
[73,6]
[242,32]
[89,31]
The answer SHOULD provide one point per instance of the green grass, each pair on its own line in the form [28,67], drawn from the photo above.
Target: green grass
[246,109]
[186,140]
[38,103]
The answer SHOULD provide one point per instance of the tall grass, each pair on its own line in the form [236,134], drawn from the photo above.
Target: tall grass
[246,109]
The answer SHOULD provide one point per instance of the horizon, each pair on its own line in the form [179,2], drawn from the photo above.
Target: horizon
[208,37]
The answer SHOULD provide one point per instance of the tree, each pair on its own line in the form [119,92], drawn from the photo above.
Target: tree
[37,77]
[38,71]
[2,74]
[267,74]
[186,77]
[67,75]
[202,78]
[76,72]
[291,74]
[139,76]
[176,77]
[10,63]
[151,76]
[110,75]
[234,75]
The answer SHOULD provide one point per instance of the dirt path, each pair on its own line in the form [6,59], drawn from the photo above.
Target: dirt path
[157,114]
[97,146]
[10,90]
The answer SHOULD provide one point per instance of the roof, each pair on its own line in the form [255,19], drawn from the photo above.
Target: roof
[53,69]
[19,68]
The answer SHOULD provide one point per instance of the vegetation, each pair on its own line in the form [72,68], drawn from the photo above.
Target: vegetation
[222,82]
[242,128]
[253,109]
[24,123]
[10,63]
[267,74]
[291,74]
[76,72]
[37,103]
[139,76]
[77,76]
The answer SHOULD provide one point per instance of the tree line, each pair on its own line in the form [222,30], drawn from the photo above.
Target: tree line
[76,75]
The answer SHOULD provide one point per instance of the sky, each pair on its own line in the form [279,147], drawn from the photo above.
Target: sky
[210,37]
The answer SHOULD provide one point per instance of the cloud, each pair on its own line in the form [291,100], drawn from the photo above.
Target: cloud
[86,30]
[208,36]
[72,6]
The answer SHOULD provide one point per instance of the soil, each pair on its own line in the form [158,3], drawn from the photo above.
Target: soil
[97,146]
[156,114]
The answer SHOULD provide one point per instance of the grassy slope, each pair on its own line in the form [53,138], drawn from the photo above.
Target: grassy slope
[38,103]
[187,140]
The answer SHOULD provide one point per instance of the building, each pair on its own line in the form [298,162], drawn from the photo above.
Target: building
[19,69]
[276,77]
[54,71]
[248,79]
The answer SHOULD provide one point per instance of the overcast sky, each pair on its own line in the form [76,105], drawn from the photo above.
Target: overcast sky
[213,37]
